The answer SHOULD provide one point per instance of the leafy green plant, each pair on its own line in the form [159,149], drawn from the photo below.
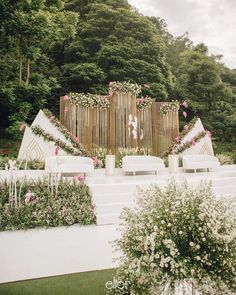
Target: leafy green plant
[40,207]
[177,237]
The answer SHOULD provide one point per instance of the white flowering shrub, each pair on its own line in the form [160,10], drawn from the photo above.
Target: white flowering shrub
[225,159]
[176,237]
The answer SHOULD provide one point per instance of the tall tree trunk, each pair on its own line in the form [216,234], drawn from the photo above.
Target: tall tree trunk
[20,69]
[28,71]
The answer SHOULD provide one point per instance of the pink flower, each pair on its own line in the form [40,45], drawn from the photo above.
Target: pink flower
[177,139]
[57,149]
[66,109]
[66,97]
[28,197]
[146,86]
[186,128]
[111,83]
[22,126]
[184,114]
[110,93]
[80,179]
[209,133]
[76,139]
[193,141]
[185,104]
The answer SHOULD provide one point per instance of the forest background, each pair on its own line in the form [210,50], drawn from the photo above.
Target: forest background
[51,47]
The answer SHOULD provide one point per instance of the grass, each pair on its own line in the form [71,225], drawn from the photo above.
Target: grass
[86,283]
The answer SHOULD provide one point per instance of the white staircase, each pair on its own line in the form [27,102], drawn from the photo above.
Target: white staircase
[110,199]
[111,195]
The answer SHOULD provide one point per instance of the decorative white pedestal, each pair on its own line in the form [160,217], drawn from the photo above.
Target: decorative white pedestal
[173,163]
[110,165]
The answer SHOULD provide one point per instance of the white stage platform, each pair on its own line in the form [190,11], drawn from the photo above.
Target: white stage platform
[112,193]
[48,252]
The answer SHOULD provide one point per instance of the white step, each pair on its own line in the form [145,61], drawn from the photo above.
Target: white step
[227,189]
[112,218]
[112,207]
[113,197]
[114,188]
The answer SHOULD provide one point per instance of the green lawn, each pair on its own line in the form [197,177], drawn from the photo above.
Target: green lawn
[86,283]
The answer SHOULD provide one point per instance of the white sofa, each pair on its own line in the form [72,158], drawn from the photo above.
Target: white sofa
[69,165]
[142,163]
[195,162]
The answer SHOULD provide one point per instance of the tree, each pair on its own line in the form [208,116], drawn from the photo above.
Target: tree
[200,82]
[118,44]
[28,30]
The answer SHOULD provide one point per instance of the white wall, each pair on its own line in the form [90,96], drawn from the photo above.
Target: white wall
[39,253]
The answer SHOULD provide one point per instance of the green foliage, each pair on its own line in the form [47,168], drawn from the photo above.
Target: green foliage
[71,205]
[177,235]
[32,165]
[28,30]
[114,42]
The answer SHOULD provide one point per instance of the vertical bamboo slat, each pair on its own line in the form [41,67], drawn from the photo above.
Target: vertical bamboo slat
[109,128]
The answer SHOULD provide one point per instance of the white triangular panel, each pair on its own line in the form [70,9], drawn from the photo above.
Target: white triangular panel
[43,122]
[196,129]
[203,146]
[33,147]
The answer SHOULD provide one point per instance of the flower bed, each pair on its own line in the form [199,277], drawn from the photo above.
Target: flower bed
[177,236]
[40,204]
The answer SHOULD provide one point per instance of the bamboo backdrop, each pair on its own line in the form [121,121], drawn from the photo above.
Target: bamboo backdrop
[110,128]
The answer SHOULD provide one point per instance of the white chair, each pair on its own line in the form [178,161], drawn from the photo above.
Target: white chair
[142,163]
[69,165]
[195,162]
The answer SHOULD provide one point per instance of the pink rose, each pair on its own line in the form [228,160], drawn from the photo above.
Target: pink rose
[177,139]
[28,197]
[66,109]
[146,86]
[66,97]
[185,104]
[57,149]
[22,126]
[184,114]
[110,93]
[186,128]
[111,83]
[80,179]
[193,142]
[209,133]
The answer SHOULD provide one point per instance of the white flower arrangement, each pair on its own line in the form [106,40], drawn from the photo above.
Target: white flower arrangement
[177,237]
[170,107]
[89,100]
[124,87]
[144,102]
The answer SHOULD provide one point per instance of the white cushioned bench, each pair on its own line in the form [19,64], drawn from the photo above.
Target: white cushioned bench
[69,164]
[142,163]
[194,162]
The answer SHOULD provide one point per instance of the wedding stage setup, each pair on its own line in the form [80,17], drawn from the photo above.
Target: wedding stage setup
[112,148]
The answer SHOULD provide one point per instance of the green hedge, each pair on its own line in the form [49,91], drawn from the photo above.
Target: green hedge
[72,204]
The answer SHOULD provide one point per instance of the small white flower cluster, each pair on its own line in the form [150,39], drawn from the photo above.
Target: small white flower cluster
[178,234]
[89,100]
[170,107]
[224,159]
[144,102]
[124,87]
